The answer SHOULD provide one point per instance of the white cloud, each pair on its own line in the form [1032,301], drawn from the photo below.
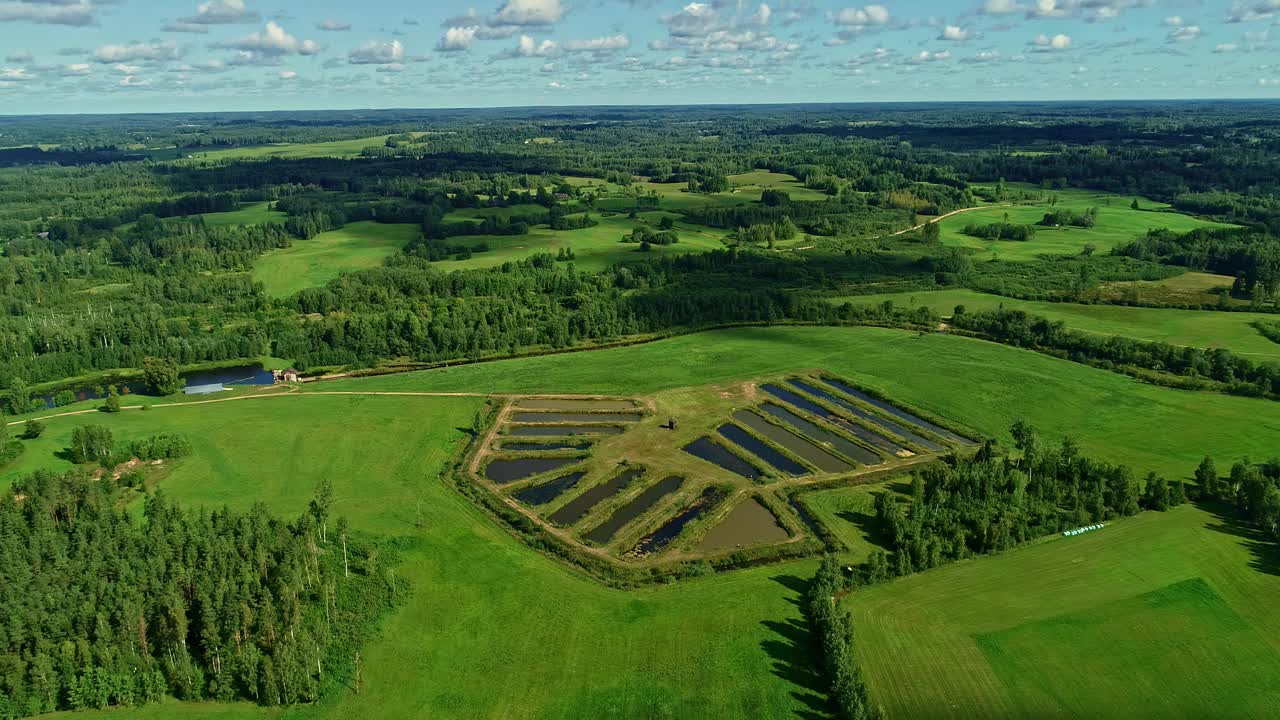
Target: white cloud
[601,44]
[78,13]
[332,25]
[272,42]
[862,17]
[955,33]
[134,81]
[393,68]
[1001,7]
[1057,42]
[377,53]
[457,38]
[555,85]
[76,69]
[288,75]
[1174,21]
[15,75]
[528,47]
[1185,34]
[156,51]
[221,12]
[1226,48]
[529,12]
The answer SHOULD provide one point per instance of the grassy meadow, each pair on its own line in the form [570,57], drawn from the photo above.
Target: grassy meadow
[294,151]
[314,262]
[248,214]
[1198,328]
[594,248]
[1117,223]
[1163,615]
[495,629]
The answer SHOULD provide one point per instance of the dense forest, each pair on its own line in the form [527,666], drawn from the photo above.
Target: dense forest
[105,610]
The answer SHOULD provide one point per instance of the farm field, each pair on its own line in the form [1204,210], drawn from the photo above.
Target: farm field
[1197,328]
[248,214]
[1155,616]
[1117,224]
[595,248]
[729,645]
[314,262]
[295,151]
[984,385]
[746,188]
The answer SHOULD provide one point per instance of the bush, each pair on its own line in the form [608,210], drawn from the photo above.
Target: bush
[32,430]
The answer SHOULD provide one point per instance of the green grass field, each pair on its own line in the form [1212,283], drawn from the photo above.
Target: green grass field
[1198,328]
[595,248]
[248,214]
[1117,224]
[314,262]
[295,151]
[980,384]
[1157,616]
[495,629]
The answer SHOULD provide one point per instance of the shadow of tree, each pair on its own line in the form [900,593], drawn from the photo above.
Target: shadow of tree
[1265,551]
[793,651]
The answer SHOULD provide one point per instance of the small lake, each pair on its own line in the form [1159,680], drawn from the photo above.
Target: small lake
[705,448]
[858,412]
[573,417]
[750,523]
[509,471]
[897,412]
[821,459]
[548,491]
[670,530]
[634,509]
[577,508]
[569,404]
[563,430]
[816,433]
[544,447]
[236,375]
[755,446]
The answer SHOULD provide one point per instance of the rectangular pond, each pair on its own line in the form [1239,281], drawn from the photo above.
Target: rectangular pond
[893,427]
[872,438]
[634,509]
[814,432]
[574,404]
[573,417]
[671,529]
[562,430]
[704,448]
[577,508]
[750,523]
[762,450]
[513,469]
[898,413]
[819,458]
[544,446]
[548,491]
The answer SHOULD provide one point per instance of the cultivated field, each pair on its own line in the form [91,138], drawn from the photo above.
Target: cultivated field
[1197,328]
[294,151]
[1117,223]
[314,262]
[1156,616]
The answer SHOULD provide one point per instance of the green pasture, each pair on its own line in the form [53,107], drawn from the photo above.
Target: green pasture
[979,384]
[294,151]
[1164,615]
[594,248]
[248,214]
[1117,223]
[1197,328]
[495,629]
[314,262]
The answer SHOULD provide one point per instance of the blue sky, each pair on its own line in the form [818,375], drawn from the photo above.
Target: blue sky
[185,55]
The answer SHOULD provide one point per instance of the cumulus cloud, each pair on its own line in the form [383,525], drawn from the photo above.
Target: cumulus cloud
[1253,11]
[955,33]
[1057,42]
[1185,33]
[457,39]
[871,15]
[221,12]
[528,47]
[331,25]
[270,43]
[78,13]
[288,75]
[16,75]
[377,53]
[528,12]
[608,43]
[150,52]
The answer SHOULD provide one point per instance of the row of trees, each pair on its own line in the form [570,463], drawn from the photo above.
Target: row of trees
[1196,367]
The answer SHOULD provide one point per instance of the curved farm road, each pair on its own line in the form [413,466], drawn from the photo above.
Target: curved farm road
[942,217]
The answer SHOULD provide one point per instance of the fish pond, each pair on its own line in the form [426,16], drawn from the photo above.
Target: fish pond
[634,509]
